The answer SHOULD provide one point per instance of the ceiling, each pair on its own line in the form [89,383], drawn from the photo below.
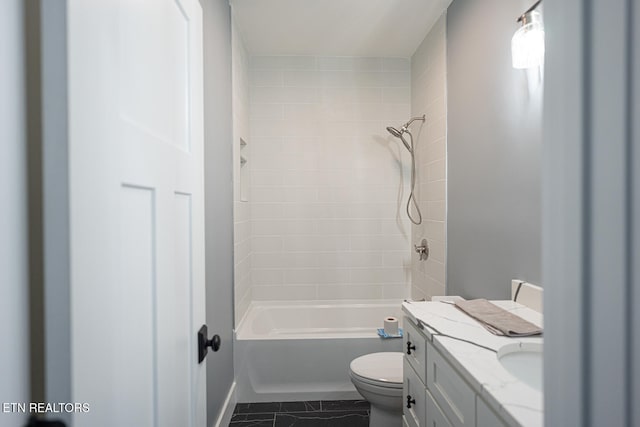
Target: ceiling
[393,28]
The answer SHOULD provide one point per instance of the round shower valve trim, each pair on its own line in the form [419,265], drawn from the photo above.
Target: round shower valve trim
[422,250]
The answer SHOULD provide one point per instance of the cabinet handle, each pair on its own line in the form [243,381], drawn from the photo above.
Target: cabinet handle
[410,401]
[410,347]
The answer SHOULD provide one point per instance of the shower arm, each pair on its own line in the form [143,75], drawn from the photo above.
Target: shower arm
[406,125]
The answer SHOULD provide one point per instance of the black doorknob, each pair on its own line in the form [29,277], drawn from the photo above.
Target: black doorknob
[204,343]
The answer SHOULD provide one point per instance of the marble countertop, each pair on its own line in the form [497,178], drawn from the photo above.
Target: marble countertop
[515,401]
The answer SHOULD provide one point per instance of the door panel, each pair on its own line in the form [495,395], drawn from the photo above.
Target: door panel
[137,212]
[175,302]
[159,33]
[135,292]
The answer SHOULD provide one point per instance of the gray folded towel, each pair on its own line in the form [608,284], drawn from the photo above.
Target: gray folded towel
[497,320]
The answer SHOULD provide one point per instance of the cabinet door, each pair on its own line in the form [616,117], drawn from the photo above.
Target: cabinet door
[435,416]
[414,392]
[449,390]
[415,348]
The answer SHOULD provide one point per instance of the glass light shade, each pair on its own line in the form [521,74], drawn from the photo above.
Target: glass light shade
[527,44]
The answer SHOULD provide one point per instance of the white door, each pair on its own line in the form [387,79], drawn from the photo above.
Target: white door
[137,211]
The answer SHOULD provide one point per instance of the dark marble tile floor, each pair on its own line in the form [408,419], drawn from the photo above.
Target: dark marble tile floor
[318,413]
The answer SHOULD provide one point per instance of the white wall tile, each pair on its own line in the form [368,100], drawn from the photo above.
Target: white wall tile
[396,64]
[396,79]
[268,260]
[267,227]
[345,226]
[395,291]
[327,181]
[266,95]
[436,150]
[435,230]
[396,112]
[375,210]
[428,96]
[397,258]
[436,170]
[267,177]
[267,243]
[242,212]
[338,243]
[301,78]
[284,293]
[371,79]
[436,210]
[267,276]
[350,63]
[360,95]
[361,259]
[379,275]
[267,194]
[317,276]
[283,62]
[396,95]
[437,251]
[380,243]
[359,292]
[266,111]
[397,226]
[300,194]
[267,77]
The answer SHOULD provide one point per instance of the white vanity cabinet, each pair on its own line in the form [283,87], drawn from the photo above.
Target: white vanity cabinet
[435,394]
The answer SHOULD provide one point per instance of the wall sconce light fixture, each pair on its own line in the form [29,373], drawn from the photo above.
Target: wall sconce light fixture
[527,44]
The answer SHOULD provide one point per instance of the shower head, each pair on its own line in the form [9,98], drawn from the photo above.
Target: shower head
[405,129]
[409,146]
[398,134]
[395,132]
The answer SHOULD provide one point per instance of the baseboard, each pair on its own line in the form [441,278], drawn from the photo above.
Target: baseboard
[227,408]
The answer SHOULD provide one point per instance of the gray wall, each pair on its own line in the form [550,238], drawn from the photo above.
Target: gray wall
[494,143]
[14,308]
[219,199]
[56,231]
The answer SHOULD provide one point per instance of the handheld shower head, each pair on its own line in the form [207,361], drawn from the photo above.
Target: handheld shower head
[398,134]
[395,132]
[404,129]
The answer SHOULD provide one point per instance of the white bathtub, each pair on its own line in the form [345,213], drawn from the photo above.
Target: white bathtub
[301,350]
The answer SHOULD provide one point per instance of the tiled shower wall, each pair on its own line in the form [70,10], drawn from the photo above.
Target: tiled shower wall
[241,209]
[428,96]
[328,184]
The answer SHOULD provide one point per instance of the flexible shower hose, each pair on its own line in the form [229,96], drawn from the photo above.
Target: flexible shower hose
[412,198]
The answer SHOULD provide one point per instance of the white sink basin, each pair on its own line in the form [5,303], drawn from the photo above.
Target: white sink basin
[523,361]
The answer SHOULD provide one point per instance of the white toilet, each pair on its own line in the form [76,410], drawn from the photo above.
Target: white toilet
[378,378]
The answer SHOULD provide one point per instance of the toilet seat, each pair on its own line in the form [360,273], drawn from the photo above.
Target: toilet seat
[379,369]
[381,384]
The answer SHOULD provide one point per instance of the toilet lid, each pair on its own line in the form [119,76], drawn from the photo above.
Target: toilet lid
[380,367]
